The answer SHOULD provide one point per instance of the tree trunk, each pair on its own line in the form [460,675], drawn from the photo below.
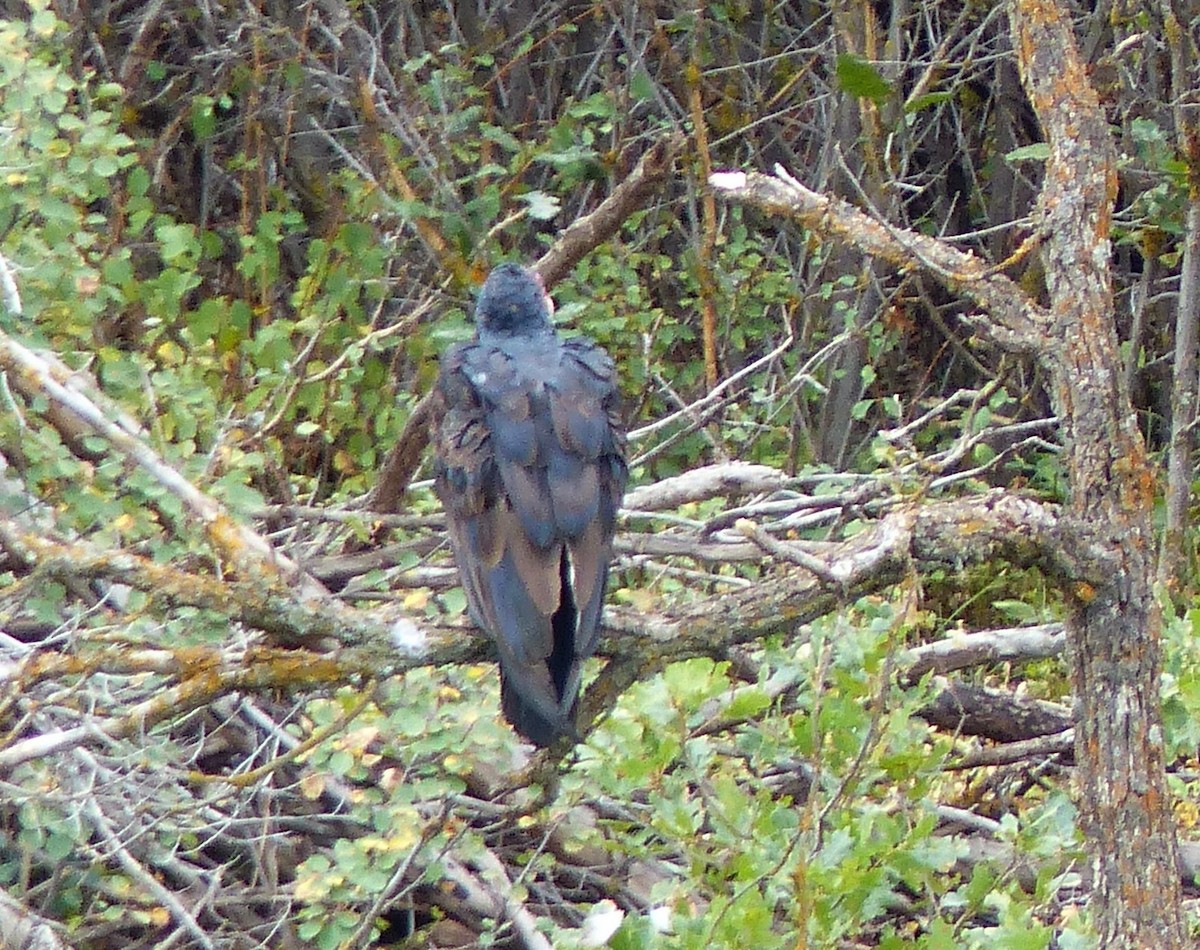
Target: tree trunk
[1182,47]
[1113,631]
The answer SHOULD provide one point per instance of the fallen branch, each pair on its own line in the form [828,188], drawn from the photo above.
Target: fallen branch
[996,714]
[960,650]
[630,195]
[36,376]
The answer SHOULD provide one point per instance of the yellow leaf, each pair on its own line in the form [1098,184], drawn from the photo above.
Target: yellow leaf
[356,740]
[312,785]
[344,462]
[123,522]
[314,888]
[417,599]
[169,353]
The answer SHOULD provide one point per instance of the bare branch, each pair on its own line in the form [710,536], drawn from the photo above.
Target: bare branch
[960,650]
[34,375]
[20,927]
[631,194]
[1019,324]
[708,481]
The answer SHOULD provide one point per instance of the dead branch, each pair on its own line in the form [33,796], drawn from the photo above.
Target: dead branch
[35,376]
[960,650]
[631,194]
[271,608]
[1062,743]
[20,927]
[402,461]
[1015,323]
[995,714]
[707,481]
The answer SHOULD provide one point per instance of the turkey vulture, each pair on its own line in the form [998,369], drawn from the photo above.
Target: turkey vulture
[530,469]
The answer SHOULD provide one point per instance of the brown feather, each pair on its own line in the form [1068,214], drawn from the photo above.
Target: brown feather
[572,497]
[526,488]
[490,537]
[570,413]
[587,553]
[538,571]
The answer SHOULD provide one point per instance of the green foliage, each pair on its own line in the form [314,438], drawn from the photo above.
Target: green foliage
[1181,683]
[1157,211]
[755,866]
[432,726]
[273,349]
[859,78]
[1038,151]
[60,150]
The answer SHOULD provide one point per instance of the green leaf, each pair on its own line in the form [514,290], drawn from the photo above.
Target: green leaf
[748,703]
[502,137]
[859,78]
[205,320]
[641,86]
[927,101]
[204,117]
[1038,151]
[598,105]
[567,156]
[176,240]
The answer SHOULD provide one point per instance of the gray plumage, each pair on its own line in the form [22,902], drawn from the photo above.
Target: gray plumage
[530,469]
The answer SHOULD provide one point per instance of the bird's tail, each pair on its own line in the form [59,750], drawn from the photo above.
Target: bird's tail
[538,718]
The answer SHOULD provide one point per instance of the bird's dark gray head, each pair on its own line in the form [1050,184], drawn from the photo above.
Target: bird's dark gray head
[513,302]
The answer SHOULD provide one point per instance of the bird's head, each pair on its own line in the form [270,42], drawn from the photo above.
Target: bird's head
[513,302]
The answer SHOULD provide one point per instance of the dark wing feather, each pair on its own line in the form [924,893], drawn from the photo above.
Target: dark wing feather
[530,469]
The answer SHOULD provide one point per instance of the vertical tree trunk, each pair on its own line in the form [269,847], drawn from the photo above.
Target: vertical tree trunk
[1182,48]
[1114,630]
[1180,469]
[851,160]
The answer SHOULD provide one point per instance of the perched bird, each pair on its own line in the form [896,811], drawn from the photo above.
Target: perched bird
[530,468]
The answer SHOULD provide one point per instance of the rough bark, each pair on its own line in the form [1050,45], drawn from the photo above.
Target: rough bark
[1113,625]
[1113,629]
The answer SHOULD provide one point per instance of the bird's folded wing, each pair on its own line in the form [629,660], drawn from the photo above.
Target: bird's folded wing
[529,462]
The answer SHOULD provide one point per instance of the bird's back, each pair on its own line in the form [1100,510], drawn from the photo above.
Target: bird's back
[530,469]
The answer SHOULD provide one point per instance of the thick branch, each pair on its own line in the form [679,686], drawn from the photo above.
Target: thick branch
[961,650]
[402,461]
[593,229]
[1018,324]
[272,607]
[1184,54]
[995,713]
[977,529]
[1113,628]
[708,481]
